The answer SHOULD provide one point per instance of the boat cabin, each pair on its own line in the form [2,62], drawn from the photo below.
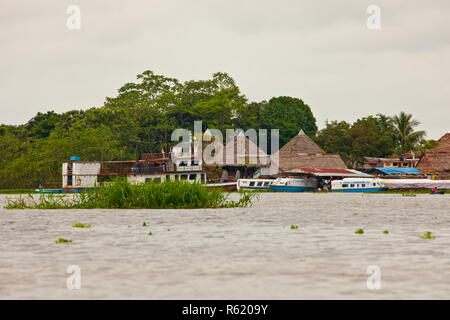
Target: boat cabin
[254,184]
[357,185]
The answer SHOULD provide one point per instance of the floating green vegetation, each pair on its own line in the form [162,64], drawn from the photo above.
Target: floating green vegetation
[124,195]
[62,240]
[150,233]
[81,225]
[427,235]
[386,231]
[359,231]
[293,227]
[144,224]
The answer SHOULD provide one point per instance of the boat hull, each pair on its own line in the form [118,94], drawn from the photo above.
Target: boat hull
[226,186]
[361,190]
[290,188]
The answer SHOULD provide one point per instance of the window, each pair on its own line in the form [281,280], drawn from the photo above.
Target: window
[405,164]
[266,183]
[184,177]
[259,184]
[192,177]
[157,180]
[345,186]
[203,177]
[148,180]
[352,185]
[252,183]
[395,164]
[183,163]
[195,163]
[374,184]
[363,185]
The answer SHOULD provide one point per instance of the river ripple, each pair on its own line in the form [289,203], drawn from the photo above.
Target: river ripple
[243,253]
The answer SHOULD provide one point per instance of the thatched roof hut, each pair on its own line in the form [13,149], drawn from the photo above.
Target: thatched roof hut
[241,157]
[303,152]
[244,152]
[301,144]
[444,141]
[435,161]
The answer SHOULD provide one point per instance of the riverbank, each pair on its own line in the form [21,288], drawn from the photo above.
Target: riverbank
[233,253]
[17,191]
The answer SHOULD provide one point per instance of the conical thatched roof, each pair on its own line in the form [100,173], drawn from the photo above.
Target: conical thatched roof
[444,141]
[303,152]
[243,153]
[433,160]
[301,144]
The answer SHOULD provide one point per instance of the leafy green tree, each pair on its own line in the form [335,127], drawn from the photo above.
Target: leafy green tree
[336,138]
[367,137]
[406,138]
[250,116]
[289,115]
[42,124]
[219,111]
[425,145]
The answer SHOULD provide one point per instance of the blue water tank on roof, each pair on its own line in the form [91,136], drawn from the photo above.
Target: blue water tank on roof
[74,158]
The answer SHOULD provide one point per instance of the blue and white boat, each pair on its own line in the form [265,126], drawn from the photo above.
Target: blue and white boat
[358,185]
[293,185]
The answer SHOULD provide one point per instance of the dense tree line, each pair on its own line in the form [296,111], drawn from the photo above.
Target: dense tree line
[144,113]
[139,119]
[373,136]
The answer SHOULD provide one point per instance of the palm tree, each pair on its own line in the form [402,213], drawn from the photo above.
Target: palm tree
[385,122]
[405,137]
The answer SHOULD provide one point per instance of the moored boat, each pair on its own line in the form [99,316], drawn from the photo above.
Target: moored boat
[254,184]
[293,185]
[358,185]
[49,190]
[225,186]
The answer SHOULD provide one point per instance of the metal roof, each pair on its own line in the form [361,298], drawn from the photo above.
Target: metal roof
[398,170]
[319,172]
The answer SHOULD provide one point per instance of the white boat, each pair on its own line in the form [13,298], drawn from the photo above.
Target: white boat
[416,183]
[225,186]
[358,185]
[293,185]
[254,184]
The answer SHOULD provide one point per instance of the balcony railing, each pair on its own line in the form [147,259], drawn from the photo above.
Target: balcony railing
[156,156]
[132,171]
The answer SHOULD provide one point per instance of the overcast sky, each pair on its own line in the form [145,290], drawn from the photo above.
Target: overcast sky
[320,51]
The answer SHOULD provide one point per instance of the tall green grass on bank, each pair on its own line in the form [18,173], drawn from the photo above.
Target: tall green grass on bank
[124,195]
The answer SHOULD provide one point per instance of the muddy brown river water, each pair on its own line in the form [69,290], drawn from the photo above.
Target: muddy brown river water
[244,253]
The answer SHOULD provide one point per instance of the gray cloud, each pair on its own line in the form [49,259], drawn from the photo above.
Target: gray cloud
[320,51]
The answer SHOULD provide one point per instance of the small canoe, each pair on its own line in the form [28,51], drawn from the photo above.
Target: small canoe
[225,186]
